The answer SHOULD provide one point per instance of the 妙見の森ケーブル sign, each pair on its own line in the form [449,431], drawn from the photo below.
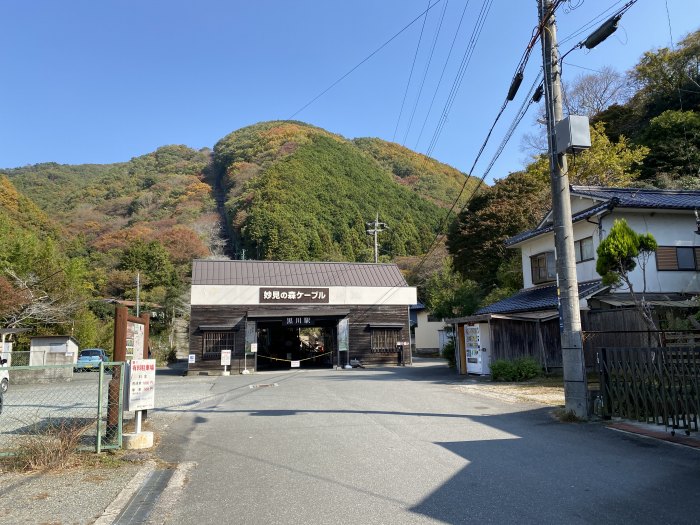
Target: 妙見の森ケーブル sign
[293,295]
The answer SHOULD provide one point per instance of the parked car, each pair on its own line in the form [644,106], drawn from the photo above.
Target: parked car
[90,358]
[4,377]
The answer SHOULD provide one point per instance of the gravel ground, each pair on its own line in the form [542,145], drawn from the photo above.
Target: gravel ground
[518,393]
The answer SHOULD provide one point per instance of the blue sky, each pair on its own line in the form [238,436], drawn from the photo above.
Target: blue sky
[104,81]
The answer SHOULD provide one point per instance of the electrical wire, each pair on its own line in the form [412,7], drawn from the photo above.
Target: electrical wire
[351,70]
[521,65]
[466,59]
[442,74]
[425,73]
[410,75]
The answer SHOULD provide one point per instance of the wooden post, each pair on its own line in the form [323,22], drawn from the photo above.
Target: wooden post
[113,412]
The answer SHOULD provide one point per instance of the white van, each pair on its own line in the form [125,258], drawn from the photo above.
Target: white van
[4,377]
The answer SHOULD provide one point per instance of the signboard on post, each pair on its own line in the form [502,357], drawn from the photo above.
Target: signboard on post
[142,384]
[226,358]
[135,340]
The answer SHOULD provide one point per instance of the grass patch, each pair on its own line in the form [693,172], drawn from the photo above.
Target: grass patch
[567,416]
[51,447]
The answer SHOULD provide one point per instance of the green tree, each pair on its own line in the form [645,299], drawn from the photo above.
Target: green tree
[152,260]
[674,141]
[619,254]
[476,239]
[606,163]
[447,294]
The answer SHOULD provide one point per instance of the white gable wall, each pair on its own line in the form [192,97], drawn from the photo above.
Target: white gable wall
[668,228]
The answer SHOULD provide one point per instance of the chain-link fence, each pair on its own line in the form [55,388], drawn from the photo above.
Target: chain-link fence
[62,405]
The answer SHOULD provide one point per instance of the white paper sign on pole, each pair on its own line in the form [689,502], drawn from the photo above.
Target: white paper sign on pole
[226,358]
[253,348]
[142,384]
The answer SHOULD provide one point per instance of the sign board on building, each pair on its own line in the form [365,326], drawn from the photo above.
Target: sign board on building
[226,357]
[295,364]
[297,321]
[279,295]
[142,384]
[253,348]
[190,358]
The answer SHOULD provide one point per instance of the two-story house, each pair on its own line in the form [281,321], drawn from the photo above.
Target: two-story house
[527,323]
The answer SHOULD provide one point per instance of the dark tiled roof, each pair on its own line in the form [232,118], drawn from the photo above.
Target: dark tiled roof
[548,226]
[610,198]
[278,273]
[541,298]
[642,197]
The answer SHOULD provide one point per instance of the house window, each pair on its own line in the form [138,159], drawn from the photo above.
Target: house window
[680,258]
[214,342]
[543,268]
[584,249]
[384,339]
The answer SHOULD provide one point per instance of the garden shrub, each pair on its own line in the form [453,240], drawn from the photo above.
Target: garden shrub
[448,352]
[502,370]
[527,368]
[518,370]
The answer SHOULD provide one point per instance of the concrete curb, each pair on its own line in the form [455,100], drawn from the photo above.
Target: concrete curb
[112,511]
[652,433]
[171,494]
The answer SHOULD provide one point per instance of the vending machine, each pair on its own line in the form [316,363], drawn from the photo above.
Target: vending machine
[477,356]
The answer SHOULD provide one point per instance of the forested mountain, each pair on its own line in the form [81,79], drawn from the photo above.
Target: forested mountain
[297,192]
[287,190]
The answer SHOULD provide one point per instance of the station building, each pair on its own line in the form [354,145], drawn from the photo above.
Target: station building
[278,315]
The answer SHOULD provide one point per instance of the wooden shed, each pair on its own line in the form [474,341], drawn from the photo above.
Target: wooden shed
[279,315]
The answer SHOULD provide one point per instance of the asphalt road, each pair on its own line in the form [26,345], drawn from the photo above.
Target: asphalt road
[403,446]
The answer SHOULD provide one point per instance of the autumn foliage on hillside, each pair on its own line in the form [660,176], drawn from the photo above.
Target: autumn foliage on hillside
[297,192]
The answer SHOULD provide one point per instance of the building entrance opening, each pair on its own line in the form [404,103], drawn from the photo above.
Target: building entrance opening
[283,345]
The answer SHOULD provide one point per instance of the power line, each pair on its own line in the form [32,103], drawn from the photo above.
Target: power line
[466,59]
[343,77]
[442,74]
[510,96]
[425,73]
[410,75]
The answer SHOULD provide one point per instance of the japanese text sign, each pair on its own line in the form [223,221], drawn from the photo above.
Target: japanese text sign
[293,295]
[142,384]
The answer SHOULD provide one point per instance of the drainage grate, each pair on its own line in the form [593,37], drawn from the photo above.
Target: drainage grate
[142,502]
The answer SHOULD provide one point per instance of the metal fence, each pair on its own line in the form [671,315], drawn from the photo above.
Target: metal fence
[654,385]
[61,403]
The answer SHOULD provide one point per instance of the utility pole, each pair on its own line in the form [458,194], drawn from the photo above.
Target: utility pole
[575,385]
[138,294]
[373,228]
